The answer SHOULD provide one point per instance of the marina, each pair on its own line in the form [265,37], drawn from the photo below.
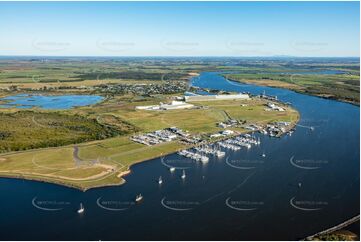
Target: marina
[194,156]
[227,145]
[206,149]
[235,144]
[271,180]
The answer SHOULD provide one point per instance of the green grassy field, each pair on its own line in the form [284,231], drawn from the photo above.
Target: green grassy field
[79,72]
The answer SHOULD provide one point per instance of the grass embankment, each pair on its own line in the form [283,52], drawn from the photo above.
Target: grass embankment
[104,162]
[342,87]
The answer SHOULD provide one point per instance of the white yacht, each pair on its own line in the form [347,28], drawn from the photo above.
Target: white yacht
[81,209]
[160,181]
[220,153]
[139,198]
[183,175]
[204,159]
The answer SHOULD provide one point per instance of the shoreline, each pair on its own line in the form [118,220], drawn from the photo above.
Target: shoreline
[122,174]
[334,228]
[64,183]
[298,91]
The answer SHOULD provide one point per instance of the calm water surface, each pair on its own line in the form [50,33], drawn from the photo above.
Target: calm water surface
[49,102]
[307,182]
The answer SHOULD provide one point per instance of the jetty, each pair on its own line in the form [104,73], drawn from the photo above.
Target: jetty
[237,142]
[194,156]
[209,150]
[228,146]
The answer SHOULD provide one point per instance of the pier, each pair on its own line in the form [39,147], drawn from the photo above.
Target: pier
[209,150]
[194,156]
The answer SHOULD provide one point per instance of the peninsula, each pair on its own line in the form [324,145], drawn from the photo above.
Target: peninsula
[94,146]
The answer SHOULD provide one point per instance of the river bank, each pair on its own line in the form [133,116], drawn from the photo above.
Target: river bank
[295,88]
[334,229]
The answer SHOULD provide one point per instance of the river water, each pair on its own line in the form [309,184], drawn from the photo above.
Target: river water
[307,182]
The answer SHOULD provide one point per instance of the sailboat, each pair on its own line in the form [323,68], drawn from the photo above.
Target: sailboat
[81,209]
[160,181]
[183,175]
[263,155]
[204,159]
[172,169]
[139,198]
[220,153]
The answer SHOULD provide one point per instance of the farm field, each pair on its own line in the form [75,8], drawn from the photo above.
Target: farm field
[325,77]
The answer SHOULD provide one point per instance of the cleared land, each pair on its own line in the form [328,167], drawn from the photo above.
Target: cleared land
[104,162]
[73,72]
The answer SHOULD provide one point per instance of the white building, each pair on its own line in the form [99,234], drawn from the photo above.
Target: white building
[176,105]
[275,107]
[227,132]
[173,105]
[222,125]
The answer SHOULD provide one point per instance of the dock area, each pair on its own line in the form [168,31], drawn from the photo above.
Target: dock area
[199,153]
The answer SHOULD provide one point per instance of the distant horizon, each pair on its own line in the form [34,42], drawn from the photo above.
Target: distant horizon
[174,56]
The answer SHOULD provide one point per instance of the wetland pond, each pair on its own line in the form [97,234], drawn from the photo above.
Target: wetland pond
[23,101]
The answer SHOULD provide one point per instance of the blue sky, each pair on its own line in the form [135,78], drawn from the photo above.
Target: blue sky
[180,28]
